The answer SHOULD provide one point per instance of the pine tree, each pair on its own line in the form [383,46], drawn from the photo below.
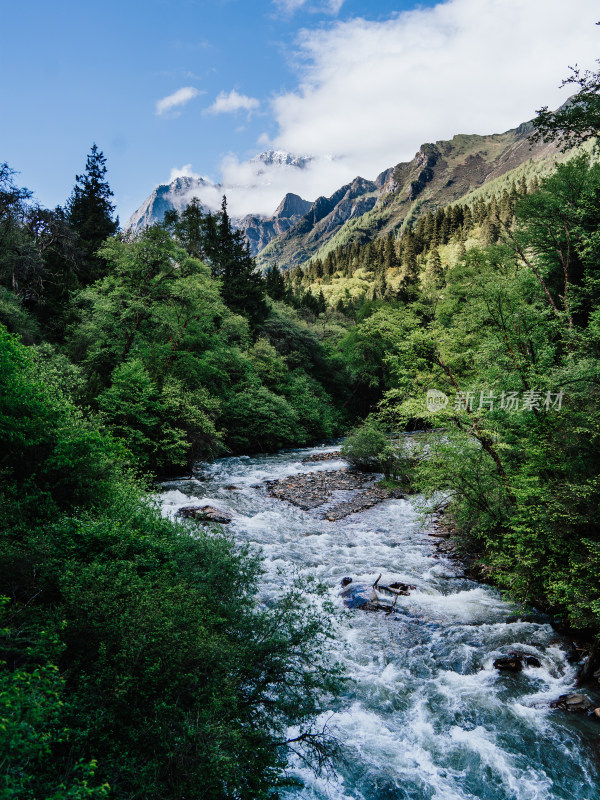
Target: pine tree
[390,259]
[90,213]
[243,288]
[275,283]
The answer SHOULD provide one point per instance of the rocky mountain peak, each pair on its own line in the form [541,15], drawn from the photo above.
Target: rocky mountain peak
[281,158]
[292,205]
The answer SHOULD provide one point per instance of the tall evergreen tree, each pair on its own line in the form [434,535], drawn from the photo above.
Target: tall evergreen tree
[275,283]
[92,214]
[228,253]
[190,227]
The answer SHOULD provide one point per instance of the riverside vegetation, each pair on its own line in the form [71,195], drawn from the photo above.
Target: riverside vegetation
[124,672]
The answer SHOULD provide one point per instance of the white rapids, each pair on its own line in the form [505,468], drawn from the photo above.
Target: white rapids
[426,716]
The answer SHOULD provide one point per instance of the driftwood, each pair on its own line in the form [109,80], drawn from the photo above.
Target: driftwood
[358,597]
[395,589]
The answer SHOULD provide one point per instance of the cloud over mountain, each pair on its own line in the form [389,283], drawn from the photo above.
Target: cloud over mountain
[371,92]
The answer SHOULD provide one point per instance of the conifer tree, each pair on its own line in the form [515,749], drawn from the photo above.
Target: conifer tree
[390,259]
[90,213]
[275,284]
[243,288]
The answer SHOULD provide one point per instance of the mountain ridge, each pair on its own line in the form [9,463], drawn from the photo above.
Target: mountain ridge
[441,173]
[258,228]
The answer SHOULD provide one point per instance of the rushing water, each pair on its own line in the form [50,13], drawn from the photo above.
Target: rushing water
[426,716]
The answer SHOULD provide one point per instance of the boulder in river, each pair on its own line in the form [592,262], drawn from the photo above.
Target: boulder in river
[572,702]
[204,514]
[357,596]
[510,663]
[514,662]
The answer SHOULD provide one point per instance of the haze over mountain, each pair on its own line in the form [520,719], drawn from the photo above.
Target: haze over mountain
[298,229]
[439,174]
[260,228]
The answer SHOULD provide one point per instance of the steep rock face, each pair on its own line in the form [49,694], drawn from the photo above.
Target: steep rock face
[174,195]
[439,174]
[260,231]
[324,218]
[424,164]
[258,228]
[292,205]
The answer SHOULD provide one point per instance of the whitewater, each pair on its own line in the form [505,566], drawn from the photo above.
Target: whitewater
[425,716]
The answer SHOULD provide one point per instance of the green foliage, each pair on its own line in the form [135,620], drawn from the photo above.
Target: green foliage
[578,120]
[518,317]
[123,668]
[365,446]
[141,331]
[212,238]
[31,708]
[49,459]
[16,319]
[258,420]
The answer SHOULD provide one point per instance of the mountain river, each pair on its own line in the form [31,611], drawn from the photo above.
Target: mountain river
[426,716]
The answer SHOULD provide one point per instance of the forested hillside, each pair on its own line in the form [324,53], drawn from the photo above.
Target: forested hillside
[494,304]
[130,356]
[440,174]
[124,672]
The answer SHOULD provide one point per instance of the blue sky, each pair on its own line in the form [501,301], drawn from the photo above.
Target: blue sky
[359,85]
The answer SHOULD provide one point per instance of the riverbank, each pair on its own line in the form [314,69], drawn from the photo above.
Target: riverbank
[581,647]
[424,713]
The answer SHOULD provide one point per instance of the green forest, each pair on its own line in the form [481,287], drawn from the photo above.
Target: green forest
[129,357]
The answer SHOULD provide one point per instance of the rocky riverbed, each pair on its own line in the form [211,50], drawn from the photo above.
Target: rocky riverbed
[312,490]
[449,693]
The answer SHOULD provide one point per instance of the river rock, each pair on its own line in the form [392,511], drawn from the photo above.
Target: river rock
[357,596]
[309,490]
[204,514]
[322,457]
[362,501]
[572,702]
[514,662]
[532,661]
[510,663]
[346,581]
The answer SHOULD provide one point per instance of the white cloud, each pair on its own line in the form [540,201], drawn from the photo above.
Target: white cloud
[329,6]
[185,171]
[178,98]
[253,187]
[230,102]
[372,91]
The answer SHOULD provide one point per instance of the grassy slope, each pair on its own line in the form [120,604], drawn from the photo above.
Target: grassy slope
[440,174]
